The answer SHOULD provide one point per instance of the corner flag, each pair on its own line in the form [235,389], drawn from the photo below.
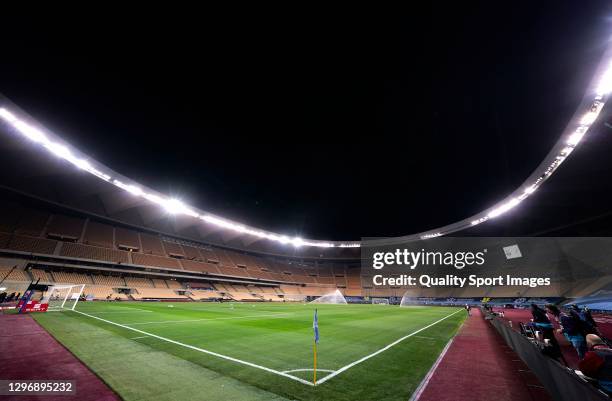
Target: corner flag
[315,326]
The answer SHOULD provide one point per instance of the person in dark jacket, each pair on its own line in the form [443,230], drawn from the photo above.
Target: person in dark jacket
[571,328]
[542,323]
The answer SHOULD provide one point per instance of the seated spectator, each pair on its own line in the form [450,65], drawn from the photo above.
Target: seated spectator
[571,328]
[542,323]
[597,362]
[589,323]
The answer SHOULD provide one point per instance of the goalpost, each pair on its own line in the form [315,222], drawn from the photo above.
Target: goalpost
[380,301]
[60,297]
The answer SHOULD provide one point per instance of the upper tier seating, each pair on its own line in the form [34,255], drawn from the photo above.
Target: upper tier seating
[64,226]
[125,238]
[27,230]
[32,222]
[152,260]
[202,267]
[4,240]
[192,253]
[94,252]
[31,244]
[151,245]
[9,216]
[99,234]
[173,249]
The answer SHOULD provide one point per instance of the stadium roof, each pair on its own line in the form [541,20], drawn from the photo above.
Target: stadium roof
[98,189]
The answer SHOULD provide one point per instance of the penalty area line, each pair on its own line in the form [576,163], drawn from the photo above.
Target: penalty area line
[373,354]
[205,351]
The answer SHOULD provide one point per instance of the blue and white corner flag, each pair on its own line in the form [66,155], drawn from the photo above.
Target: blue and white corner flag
[315,326]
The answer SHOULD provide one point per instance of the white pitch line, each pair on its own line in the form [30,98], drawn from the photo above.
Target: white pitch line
[229,358]
[365,358]
[211,318]
[419,390]
[307,370]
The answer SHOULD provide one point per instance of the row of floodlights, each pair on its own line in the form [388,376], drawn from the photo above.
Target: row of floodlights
[171,205]
[590,116]
[177,207]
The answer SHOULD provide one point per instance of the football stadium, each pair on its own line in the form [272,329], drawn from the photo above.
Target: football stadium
[236,230]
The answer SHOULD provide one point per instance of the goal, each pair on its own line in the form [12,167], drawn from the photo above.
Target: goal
[62,297]
[380,301]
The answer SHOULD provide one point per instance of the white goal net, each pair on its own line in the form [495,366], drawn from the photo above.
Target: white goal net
[335,297]
[61,297]
[380,301]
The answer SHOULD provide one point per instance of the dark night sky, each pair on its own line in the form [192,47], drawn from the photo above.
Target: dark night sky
[331,127]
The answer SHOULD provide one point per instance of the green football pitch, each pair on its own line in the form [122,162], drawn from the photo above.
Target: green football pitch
[255,351]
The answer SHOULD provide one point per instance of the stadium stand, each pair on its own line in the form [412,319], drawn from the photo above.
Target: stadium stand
[71,278]
[151,245]
[195,266]
[99,234]
[156,293]
[7,273]
[157,283]
[201,295]
[128,252]
[192,253]
[42,275]
[32,222]
[173,284]
[126,239]
[65,227]
[31,244]
[9,216]
[138,282]
[99,292]
[155,261]
[110,281]
[94,252]
[173,250]
[4,240]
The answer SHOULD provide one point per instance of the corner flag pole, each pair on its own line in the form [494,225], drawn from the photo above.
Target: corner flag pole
[315,327]
[315,363]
